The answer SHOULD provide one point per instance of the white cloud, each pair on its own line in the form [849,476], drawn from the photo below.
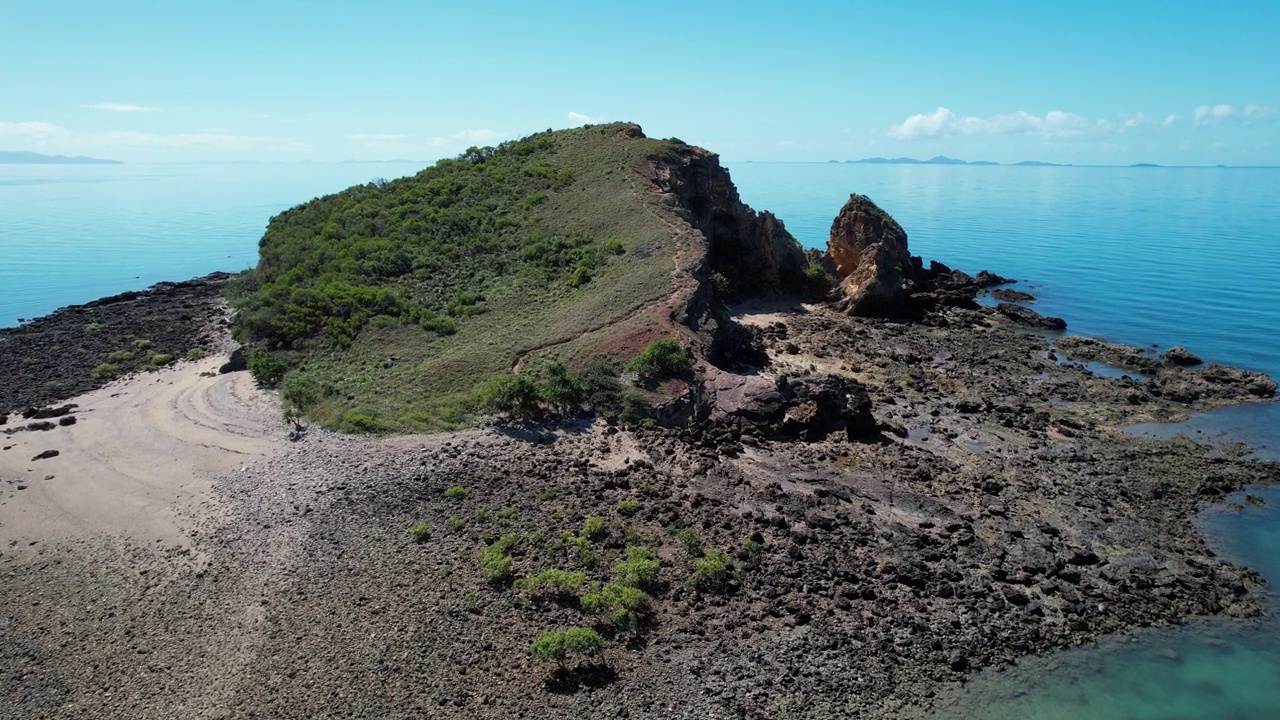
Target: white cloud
[1206,115]
[1169,121]
[944,123]
[1134,120]
[121,107]
[1257,112]
[128,144]
[580,119]
[1218,114]
[377,137]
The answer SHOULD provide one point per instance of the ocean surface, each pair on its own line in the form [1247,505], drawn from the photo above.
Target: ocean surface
[1147,256]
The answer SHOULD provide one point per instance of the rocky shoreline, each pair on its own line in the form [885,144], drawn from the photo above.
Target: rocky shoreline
[990,509]
[54,358]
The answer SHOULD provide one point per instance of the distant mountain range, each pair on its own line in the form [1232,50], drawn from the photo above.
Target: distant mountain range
[30,158]
[940,160]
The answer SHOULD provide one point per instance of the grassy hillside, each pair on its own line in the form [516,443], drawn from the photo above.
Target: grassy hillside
[388,303]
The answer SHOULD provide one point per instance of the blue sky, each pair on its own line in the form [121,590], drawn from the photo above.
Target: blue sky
[1118,81]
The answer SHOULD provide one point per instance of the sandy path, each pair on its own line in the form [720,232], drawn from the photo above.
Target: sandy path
[139,458]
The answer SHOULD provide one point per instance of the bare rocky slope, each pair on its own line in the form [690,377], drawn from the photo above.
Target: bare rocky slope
[853,513]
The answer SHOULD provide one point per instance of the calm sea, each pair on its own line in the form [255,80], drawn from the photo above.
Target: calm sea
[1159,256]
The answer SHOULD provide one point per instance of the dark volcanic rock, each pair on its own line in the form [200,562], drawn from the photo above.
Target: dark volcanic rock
[53,358]
[1007,295]
[810,408]
[1182,357]
[46,455]
[238,362]
[1030,318]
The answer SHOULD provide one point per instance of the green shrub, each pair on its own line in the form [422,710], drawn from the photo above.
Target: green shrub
[482,514]
[561,390]
[594,528]
[120,356]
[639,568]
[105,371]
[514,395]
[614,246]
[495,561]
[354,421]
[299,390]
[142,344]
[602,390]
[455,492]
[267,368]
[817,281]
[662,359]
[93,327]
[559,645]
[559,583]
[711,571]
[753,549]
[625,606]
[420,531]
[161,359]
[581,547]
[689,539]
[195,353]
[455,523]
[629,506]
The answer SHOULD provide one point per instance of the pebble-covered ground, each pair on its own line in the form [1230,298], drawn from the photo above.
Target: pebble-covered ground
[998,512]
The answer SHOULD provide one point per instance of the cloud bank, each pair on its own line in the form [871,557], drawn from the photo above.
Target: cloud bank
[1218,114]
[944,123]
[122,107]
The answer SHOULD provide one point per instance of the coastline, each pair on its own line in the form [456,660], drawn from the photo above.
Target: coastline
[1000,514]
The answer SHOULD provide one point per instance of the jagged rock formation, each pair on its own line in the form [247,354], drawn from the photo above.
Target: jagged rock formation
[809,408]
[753,250]
[869,251]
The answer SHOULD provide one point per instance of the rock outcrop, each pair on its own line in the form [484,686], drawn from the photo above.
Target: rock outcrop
[809,408]
[753,250]
[869,251]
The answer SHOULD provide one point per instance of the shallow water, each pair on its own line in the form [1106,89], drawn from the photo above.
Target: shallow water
[73,233]
[1218,669]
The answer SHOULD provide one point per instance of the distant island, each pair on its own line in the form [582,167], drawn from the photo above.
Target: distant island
[23,157]
[940,160]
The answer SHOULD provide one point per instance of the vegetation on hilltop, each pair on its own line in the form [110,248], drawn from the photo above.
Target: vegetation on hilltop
[390,303]
[402,304]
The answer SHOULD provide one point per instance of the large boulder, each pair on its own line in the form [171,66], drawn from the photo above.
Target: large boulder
[809,408]
[869,251]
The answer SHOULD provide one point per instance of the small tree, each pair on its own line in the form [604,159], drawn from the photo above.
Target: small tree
[514,395]
[662,359]
[561,390]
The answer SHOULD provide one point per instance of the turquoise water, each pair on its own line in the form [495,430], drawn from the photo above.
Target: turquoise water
[69,234]
[1159,255]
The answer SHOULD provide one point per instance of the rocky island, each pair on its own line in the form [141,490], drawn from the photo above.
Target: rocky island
[572,431]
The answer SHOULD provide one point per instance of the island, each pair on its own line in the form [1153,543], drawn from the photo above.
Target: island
[564,428]
[31,158]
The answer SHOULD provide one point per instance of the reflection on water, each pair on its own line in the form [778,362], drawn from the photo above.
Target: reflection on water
[1207,670]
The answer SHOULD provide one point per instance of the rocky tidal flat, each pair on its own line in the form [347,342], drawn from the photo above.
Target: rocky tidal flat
[854,498]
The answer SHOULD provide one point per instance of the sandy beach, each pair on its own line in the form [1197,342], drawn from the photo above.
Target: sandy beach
[138,462]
